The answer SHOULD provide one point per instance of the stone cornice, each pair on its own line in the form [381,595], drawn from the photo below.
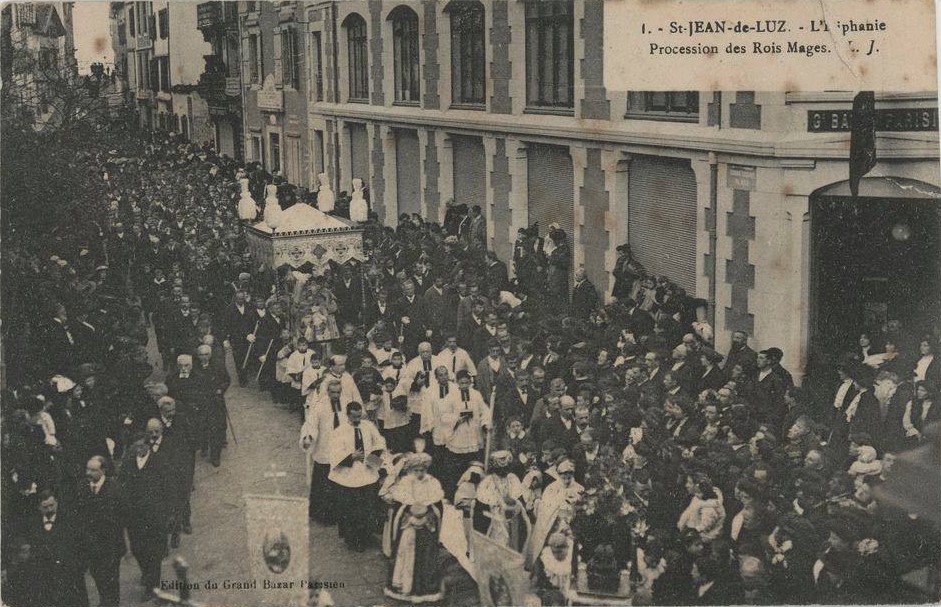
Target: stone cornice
[643,134]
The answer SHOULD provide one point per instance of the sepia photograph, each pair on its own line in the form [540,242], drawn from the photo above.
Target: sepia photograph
[388,302]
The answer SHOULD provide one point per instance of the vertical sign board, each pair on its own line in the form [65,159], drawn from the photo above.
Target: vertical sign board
[499,573]
[740,177]
[278,545]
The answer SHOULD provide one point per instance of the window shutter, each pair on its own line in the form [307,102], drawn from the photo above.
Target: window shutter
[662,218]
[246,59]
[470,178]
[359,152]
[277,56]
[408,170]
[551,184]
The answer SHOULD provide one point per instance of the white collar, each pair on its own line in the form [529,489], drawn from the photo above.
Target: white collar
[705,588]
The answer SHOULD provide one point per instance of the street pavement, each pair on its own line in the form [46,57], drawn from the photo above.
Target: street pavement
[217,549]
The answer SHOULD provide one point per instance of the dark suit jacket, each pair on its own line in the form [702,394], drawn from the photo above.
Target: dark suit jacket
[391,316]
[212,383]
[349,300]
[497,275]
[746,357]
[181,333]
[89,343]
[584,300]
[769,399]
[58,351]
[933,373]
[146,491]
[102,528]
[686,431]
[414,331]
[556,431]
[652,390]
[712,380]
[188,390]
[866,418]
[237,325]
[509,403]
[687,376]
[439,309]
[640,322]
[486,379]
[479,347]
[58,562]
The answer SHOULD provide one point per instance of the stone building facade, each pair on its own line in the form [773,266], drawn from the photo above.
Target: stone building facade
[275,87]
[503,104]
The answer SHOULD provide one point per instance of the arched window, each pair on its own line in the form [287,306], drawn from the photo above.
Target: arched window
[356,48]
[468,56]
[405,54]
[550,57]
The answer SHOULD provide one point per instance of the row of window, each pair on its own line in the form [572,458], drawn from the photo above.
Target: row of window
[290,58]
[152,73]
[141,14]
[549,59]
[549,53]
[140,19]
[468,54]
[274,159]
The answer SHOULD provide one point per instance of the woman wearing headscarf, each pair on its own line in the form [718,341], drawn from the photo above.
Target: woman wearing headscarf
[415,575]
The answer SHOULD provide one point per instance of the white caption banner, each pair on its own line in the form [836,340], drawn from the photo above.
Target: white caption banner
[770,45]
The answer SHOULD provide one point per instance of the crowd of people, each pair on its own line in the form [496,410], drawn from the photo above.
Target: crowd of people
[601,435]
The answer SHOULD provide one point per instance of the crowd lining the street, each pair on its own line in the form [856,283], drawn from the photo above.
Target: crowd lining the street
[601,435]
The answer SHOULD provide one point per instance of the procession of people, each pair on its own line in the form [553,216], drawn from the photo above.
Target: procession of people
[598,434]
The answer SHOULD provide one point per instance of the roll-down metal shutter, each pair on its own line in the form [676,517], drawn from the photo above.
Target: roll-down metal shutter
[662,218]
[551,184]
[359,154]
[407,171]
[470,172]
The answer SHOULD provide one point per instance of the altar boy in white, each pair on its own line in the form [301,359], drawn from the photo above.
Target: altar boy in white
[354,469]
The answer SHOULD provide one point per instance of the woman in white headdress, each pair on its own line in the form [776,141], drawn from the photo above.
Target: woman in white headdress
[415,574]
[553,571]
[557,499]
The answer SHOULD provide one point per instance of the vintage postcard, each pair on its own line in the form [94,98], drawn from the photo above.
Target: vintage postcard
[469,302]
